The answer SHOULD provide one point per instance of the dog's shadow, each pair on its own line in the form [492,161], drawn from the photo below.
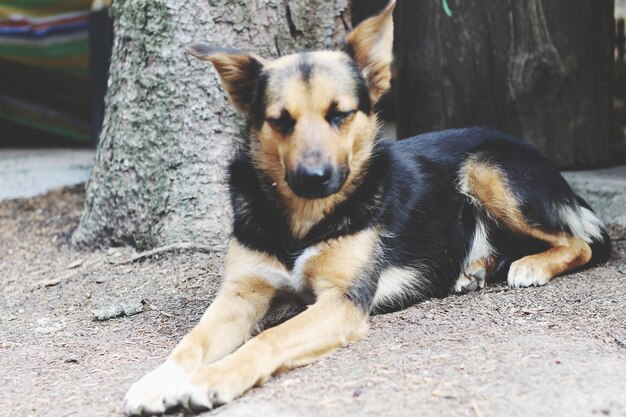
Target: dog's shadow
[284,306]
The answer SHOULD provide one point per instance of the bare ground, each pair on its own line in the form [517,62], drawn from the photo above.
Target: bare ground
[559,350]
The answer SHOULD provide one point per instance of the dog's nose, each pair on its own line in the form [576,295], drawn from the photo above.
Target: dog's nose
[314,180]
[315,176]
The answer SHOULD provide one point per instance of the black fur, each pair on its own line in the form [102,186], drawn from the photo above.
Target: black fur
[305,67]
[410,190]
[258,99]
[365,102]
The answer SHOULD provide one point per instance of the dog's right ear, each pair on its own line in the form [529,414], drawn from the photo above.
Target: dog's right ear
[370,44]
[238,71]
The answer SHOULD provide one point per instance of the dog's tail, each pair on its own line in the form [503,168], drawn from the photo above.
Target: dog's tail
[587,225]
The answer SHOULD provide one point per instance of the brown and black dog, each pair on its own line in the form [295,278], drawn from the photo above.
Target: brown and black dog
[326,211]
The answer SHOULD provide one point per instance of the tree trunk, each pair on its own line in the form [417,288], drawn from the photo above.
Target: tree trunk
[540,69]
[169,131]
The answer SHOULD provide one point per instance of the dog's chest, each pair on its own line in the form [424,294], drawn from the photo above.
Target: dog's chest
[295,279]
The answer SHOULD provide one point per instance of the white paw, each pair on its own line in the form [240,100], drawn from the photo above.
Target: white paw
[211,387]
[527,274]
[468,282]
[464,284]
[197,398]
[156,392]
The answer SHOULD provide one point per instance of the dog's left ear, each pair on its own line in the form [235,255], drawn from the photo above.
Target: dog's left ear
[238,71]
[370,44]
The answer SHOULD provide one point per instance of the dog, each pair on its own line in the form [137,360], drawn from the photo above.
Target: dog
[326,211]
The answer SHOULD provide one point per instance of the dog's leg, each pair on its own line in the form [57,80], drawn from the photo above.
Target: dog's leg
[337,317]
[566,254]
[489,187]
[245,296]
[331,322]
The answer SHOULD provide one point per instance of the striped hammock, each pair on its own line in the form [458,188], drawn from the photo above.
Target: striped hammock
[44,66]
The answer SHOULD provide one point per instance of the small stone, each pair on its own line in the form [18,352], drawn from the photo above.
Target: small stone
[75,264]
[127,308]
[442,394]
[48,282]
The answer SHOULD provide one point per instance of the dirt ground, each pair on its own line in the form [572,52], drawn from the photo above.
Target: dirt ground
[559,350]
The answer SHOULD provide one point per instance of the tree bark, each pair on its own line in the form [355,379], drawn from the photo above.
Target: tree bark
[169,131]
[540,69]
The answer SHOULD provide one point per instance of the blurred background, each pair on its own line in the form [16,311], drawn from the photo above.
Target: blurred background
[54,57]
[557,77]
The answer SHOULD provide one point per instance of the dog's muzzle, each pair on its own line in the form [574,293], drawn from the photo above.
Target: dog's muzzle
[316,180]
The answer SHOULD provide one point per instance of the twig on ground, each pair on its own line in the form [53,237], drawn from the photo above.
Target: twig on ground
[183,246]
[476,409]
[140,287]
[51,282]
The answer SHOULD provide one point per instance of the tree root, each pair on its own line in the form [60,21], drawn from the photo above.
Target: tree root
[182,246]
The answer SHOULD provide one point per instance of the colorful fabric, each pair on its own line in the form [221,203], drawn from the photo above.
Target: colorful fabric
[41,8]
[38,27]
[44,62]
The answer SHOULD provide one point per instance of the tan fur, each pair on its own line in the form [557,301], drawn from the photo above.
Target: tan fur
[488,265]
[567,255]
[247,292]
[242,262]
[236,71]
[487,185]
[331,322]
[243,300]
[339,262]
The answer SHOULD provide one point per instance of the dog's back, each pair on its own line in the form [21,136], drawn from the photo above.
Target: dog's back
[437,221]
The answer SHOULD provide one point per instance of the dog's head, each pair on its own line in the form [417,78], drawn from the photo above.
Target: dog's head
[311,114]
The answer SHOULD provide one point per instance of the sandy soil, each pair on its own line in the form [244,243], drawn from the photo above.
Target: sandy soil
[559,350]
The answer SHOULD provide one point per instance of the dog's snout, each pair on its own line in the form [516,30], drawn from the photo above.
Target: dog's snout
[315,180]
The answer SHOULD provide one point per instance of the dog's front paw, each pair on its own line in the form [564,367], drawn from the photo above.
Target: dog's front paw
[157,392]
[527,273]
[212,387]
[199,397]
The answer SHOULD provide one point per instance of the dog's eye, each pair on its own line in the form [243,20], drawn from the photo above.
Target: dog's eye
[336,118]
[283,124]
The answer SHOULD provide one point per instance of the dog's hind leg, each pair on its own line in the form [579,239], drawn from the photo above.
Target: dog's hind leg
[566,254]
[501,196]
[251,279]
